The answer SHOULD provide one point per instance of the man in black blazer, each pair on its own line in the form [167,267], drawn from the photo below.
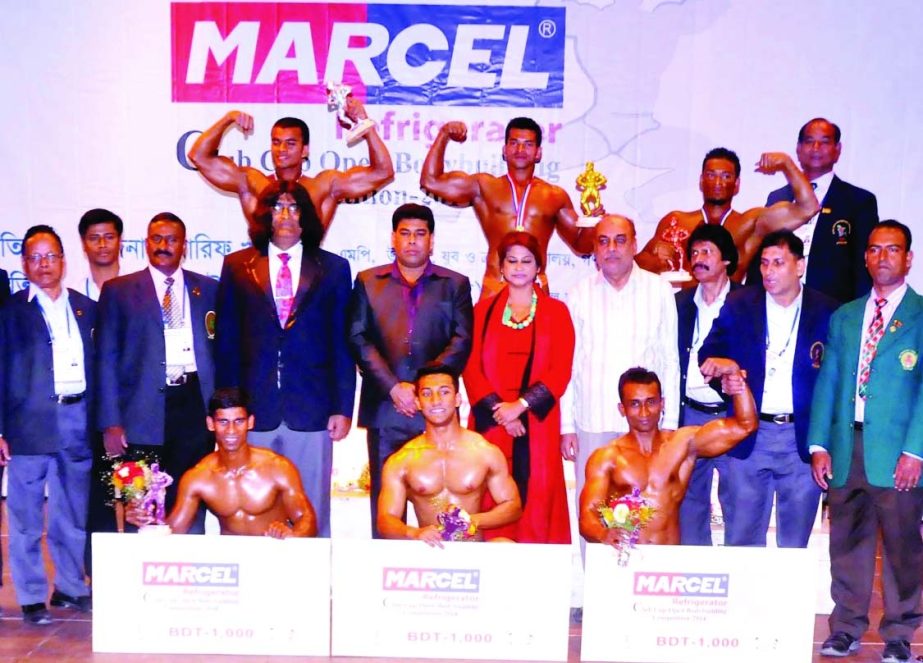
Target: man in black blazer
[401,317]
[282,338]
[776,334]
[46,376]
[712,257]
[836,237]
[154,357]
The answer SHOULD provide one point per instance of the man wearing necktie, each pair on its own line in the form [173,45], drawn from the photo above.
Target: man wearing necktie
[154,359]
[46,378]
[776,334]
[836,236]
[866,438]
[282,337]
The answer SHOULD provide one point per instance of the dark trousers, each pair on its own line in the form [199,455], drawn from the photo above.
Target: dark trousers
[381,443]
[858,512]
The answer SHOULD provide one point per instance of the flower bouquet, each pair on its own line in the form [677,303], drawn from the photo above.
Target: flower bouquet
[629,514]
[144,487]
[455,524]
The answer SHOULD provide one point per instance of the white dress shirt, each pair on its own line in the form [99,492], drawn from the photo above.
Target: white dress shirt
[782,324]
[178,343]
[66,342]
[617,330]
[806,232]
[295,252]
[705,315]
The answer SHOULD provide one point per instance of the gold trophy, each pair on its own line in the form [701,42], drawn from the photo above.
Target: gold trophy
[675,235]
[336,101]
[589,182]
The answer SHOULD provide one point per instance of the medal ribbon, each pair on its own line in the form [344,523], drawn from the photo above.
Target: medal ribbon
[519,206]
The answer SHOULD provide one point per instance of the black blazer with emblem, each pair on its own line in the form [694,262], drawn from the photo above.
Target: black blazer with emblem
[309,355]
[131,353]
[836,264]
[28,419]
[739,333]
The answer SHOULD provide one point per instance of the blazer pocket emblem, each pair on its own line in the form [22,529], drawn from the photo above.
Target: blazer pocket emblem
[841,230]
[908,359]
[817,354]
[210,325]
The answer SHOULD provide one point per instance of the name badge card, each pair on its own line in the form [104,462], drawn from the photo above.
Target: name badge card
[674,604]
[468,600]
[176,594]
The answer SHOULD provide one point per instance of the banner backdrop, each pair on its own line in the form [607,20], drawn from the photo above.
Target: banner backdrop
[102,100]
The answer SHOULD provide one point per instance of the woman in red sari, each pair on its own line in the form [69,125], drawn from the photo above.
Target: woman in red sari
[523,347]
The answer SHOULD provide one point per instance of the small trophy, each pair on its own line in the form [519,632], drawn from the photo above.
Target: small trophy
[589,182]
[336,101]
[676,236]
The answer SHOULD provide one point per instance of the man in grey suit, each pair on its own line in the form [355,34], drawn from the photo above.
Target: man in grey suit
[46,359]
[154,361]
[403,316]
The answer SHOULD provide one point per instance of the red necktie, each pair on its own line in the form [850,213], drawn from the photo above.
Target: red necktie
[875,332]
[284,290]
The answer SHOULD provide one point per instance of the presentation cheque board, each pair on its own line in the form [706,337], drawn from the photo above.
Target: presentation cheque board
[674,604]
[178,594]
[468,600]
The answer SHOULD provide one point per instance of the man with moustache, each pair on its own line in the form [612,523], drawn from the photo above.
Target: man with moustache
[446,466]
[282,338]
[46,380]
[712,257]
[101,236]
[401,317]
[516,201]
[154,360]
[290,140]
[835,238]
[777,335]
[623,316]
[866,442]
[719,183]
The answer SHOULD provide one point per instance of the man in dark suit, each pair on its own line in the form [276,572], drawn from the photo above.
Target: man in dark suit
[46,359]
[282,338]
[403,316]
[834,238]
[154,360]
[776,334]
[866,442]
[712,257]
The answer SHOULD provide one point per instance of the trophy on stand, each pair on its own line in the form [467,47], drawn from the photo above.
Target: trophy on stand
[589,182]
[675,235]
[336,101]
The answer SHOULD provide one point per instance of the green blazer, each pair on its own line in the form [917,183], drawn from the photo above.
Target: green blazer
[894,407]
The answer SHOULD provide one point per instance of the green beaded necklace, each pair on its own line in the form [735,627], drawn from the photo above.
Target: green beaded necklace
[507,318]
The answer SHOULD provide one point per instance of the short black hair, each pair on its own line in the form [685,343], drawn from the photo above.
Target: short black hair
[720,237]
[896,225]
[413,211]
[638,375]
[312,231]
[783,238]
[99,215]
[526,123]
[804,128]
[226,398]
[723,153]
[169,217]
[294,123]
[436,369]
[41,229]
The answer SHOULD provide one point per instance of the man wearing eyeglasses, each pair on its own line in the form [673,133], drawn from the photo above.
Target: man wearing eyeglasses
[282,338]
[154,362]
[46,356]
[623,316]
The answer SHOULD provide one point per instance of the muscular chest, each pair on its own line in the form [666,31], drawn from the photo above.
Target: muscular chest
[236,493]
[452,475]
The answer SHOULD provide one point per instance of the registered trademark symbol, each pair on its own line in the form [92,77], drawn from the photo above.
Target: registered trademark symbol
[547,28]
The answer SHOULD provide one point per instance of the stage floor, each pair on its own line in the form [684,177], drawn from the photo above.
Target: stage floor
[69,637]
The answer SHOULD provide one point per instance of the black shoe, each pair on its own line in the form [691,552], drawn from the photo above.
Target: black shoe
[896,651]
[36,613]
[80,603]
[839,644]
